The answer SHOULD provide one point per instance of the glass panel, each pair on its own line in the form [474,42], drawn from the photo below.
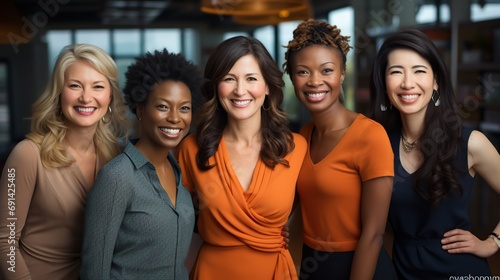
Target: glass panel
[266,36]
[344,19]
[484,12]
[158,39]
[427,13]
[56,40]
[191,45]
[127,42]
[98,38]
[4,105]
[122,64]
[290,104]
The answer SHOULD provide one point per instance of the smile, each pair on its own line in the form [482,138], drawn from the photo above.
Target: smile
[409,96]
[316,95]
[85,109]
[241,102]
[171,131]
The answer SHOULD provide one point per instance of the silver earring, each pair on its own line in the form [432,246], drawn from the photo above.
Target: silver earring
[383,108]
[110,115]
[436,100]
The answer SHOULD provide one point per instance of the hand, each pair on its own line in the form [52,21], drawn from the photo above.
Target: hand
[285,232]
[462,241]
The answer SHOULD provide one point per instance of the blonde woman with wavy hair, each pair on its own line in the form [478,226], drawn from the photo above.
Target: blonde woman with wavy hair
[76,127]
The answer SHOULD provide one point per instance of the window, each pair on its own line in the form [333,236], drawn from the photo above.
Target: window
[266,36]
[4,104]
[484,12]
[127,42]
[158,39]
[56,41]
[98,38]
[344,19]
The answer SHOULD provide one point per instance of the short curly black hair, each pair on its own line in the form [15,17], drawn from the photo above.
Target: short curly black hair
[153,68]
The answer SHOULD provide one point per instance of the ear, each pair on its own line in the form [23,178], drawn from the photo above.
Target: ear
[267,90]
[139,111]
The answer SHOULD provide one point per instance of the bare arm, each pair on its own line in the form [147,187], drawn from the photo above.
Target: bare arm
[483,159]
[375,199]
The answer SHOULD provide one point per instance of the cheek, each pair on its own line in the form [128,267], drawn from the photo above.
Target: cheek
[223,90]
[105,99]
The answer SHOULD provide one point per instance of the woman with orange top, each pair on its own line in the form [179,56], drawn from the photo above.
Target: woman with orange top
[242,164]
[346,179]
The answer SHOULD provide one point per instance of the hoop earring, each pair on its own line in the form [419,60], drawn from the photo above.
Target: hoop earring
[436,100]
[111,115]
[268,107]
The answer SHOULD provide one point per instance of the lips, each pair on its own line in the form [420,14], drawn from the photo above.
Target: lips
[315,96]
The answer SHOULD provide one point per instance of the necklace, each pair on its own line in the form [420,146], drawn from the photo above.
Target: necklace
[407,146]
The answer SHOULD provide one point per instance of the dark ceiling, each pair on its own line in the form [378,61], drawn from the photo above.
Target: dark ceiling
[112,13]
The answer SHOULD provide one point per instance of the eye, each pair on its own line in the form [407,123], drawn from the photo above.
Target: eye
[393,72]
[228,79]
[185,108]
[251,79]
[73,85]
[420,72]
[302,72]
[162,107]
[328,70]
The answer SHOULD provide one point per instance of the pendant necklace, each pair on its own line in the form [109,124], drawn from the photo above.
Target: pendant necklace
[407,146]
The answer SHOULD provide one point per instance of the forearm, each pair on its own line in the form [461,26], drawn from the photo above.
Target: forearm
[366,256]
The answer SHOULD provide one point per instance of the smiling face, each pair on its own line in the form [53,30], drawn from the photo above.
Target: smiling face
[166,116]
[242,91]
[317,74]
[409,81]
[86,95]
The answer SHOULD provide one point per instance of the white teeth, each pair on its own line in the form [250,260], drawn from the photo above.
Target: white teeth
[409,96]
[171,130]
[316,95]
[85,110]
[241,102]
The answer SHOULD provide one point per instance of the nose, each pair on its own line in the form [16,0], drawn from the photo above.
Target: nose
[173,116]
[408,82]
[314,80]
[239,89]
[85,96]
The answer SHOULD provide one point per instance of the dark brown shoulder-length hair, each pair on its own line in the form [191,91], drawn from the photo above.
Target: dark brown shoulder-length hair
[442,129]
[277,138]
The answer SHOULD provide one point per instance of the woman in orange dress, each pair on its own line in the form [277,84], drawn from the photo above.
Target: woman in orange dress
[242,166]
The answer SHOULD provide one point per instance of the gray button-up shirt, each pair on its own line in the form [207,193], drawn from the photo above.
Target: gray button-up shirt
[132,230]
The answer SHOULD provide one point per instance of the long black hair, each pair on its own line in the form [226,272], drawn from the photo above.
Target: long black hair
[442,129]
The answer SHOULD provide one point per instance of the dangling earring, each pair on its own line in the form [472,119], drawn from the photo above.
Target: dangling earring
[383,108]
[435,99]
[110,115]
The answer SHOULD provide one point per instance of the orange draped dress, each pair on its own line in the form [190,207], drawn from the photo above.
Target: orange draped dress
[241,230]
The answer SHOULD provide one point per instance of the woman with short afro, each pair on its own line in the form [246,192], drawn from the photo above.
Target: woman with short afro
[139,217]
[346,179]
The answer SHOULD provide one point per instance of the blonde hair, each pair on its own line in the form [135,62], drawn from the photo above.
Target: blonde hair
[48,128]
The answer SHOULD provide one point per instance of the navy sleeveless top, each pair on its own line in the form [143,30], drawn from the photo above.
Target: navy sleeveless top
[418,227]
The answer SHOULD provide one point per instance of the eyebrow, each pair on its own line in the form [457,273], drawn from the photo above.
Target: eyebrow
[322,64]
[413,67]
